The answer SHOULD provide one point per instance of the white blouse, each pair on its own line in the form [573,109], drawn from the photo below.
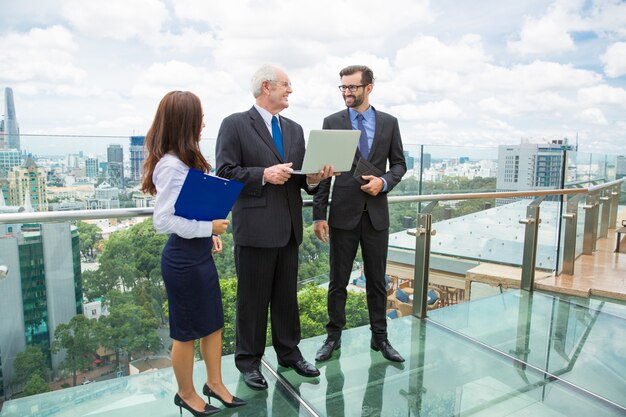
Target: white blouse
[168,177]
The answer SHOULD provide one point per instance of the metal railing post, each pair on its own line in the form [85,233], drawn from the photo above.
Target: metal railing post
[591,223]
[569,237]
[605,199]
[614,194]
[531,235]
[423,231]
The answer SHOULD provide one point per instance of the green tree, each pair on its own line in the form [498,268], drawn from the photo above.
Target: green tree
[30,362]
[78,340]
[225,261]
[314,314]
[96,284]
[88,234]
[35,385]
[229,300]
[128,328]
[312,256]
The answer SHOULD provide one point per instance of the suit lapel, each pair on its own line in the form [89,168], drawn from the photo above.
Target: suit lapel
[258,124]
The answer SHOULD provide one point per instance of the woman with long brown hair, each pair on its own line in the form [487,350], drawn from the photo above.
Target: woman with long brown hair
[187,266]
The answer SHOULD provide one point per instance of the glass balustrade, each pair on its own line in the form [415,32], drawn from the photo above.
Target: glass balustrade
[558,337]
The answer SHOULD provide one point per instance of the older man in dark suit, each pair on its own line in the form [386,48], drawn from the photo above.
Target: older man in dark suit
[261,149]
[359,212]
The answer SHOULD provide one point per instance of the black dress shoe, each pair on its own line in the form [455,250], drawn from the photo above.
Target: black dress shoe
[254,379]
[209,410]
[303,368]
[326,351]
[236,402]
[387,350]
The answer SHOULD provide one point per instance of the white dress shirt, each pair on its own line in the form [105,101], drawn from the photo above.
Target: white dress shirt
[168,177]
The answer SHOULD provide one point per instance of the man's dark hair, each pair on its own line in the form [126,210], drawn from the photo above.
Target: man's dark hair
[367,75]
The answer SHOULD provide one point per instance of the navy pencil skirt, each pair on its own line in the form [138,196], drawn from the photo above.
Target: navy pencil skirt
[193,288]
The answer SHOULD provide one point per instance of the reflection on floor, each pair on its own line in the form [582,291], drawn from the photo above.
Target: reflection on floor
[511,354]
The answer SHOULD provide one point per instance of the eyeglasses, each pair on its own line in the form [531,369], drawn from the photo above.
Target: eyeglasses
[286,84]
[350,87]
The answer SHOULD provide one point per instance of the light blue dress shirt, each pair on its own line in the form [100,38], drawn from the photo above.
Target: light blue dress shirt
[369,123]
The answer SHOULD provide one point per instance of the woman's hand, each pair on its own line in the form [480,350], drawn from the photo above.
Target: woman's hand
[220,226]
[217,244]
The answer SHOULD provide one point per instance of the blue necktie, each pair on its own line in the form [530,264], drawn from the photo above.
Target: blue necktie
[364,147]
[278,137]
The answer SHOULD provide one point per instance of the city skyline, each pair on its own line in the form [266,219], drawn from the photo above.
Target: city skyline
[454,74]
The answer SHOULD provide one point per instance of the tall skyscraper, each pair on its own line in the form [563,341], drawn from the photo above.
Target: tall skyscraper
[42,289]
[27,186]
[115,166]
[91,167]
[136,156]
[8,126]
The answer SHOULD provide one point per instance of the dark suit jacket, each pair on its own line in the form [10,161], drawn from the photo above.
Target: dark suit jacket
[348,201]
[264,215]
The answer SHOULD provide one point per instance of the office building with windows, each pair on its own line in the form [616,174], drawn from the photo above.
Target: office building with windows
[136,156]
[41,290]
[27,186]
[115,166]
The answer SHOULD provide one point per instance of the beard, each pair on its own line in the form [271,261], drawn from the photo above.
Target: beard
[356,100]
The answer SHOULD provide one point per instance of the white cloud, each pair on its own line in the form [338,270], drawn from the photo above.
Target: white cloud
[117,19]
[614,60]
[542,36]
[439,110]
[42,55]
[602,94]
[536,76]
[326,20]
[593,116]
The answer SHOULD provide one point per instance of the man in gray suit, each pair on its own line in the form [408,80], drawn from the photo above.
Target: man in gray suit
[261,149]
[359,213]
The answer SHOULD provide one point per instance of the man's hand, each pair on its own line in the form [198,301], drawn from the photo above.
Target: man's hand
[326,172]
[217,244]
[374,185]
[320,228]
[219,226]
[278,174]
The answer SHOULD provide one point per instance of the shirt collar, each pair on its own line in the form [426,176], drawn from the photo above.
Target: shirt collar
[367,114]
[267,116]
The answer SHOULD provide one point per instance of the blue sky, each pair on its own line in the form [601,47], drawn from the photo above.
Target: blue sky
[479,73]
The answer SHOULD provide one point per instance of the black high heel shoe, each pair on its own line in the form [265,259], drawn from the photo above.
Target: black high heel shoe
[236,402]
[209,410]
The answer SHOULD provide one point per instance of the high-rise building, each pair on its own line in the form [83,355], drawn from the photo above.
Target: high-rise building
[10,130]
[91,167]
[115,166]
[410,161]
[426,160]
[9,159]
[136,156]
[530,166]
[41,290]
[27,186]
[620,167]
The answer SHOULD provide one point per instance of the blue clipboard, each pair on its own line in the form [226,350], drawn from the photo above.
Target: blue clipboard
[206,197]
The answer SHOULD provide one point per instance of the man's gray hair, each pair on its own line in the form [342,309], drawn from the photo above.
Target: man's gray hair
[265,73]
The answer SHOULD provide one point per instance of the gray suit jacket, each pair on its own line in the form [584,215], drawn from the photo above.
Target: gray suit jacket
[348,201]
[264,215]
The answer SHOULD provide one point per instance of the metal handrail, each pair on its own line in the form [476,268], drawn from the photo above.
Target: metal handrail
[50,216]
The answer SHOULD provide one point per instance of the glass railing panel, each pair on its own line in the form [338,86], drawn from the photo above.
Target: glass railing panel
[565,336]
[151,394]
[443,375]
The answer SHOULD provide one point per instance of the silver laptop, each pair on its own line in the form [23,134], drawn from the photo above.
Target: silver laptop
[329,147]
